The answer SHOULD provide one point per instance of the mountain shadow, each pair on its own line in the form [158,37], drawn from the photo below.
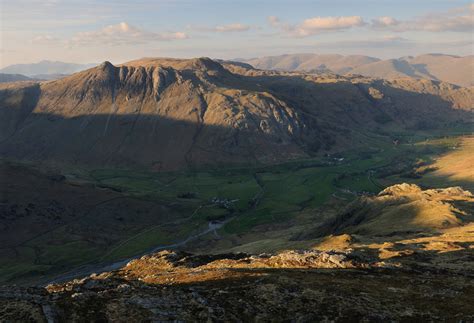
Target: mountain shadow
[170,114]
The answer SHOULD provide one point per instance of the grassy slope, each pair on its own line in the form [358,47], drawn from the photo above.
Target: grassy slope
[456,166]
[286,189]
[443,162]
[262,196]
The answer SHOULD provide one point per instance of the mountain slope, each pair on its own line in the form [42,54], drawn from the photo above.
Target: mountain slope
[307,62]
[447,68]
[451,69]
[303,285]
[388,69]
[404,209]
[131,114]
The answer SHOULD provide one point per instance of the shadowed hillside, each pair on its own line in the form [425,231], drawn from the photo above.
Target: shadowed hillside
[104,169]
[130,114]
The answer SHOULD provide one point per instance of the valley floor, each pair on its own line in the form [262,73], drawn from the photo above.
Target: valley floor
[79,217]
[358,252]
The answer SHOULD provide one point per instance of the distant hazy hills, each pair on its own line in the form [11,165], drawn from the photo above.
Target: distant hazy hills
[305,62]
[447,68]
[452,69]
[13,78]
[45,70]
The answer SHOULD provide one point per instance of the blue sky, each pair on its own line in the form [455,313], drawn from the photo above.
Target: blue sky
[117,30]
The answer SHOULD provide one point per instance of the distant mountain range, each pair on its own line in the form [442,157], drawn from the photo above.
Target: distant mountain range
[45,69]
[439,67]
[306,62]
[14,78]
[447,68]
[5,78]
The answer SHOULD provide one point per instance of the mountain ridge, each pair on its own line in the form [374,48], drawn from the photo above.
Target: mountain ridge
[448,68]
[128,114]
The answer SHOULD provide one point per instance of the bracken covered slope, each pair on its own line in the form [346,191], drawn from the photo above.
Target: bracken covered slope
[405,209]
[371,274]
[302,286]
[168,114]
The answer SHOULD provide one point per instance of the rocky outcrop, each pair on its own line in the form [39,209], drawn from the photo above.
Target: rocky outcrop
[130,115]
[404,209]
[294,285]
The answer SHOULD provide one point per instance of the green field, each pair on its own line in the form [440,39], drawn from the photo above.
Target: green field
[276,193]
[242,198]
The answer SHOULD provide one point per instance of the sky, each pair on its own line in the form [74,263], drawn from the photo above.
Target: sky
[92,31]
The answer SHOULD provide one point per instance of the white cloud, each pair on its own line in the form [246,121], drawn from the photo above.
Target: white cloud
[317,25]
[435,23]
[231,28]
[394,38]
[382,22]
[330,23]
[273,21]
[122,34]
[228,28]
[457,19]
[44,39]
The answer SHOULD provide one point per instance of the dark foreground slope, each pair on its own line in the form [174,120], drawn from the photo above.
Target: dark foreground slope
[167,114]
[50,225]
[304,286]
[372,271]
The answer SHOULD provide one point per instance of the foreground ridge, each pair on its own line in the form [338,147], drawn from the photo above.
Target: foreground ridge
[302,285]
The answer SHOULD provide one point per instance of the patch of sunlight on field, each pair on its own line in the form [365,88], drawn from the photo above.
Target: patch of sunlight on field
[457,165]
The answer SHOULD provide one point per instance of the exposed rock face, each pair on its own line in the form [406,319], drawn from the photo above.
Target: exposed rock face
[295,285]
[386,275]
[168,114]
[405,189]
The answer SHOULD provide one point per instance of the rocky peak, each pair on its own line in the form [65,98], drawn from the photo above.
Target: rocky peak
[205,63]
[401,189]
[106,66]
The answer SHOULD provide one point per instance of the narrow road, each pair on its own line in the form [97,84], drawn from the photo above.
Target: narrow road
[89,269]
[148,230]
[86,270]
[371,179]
